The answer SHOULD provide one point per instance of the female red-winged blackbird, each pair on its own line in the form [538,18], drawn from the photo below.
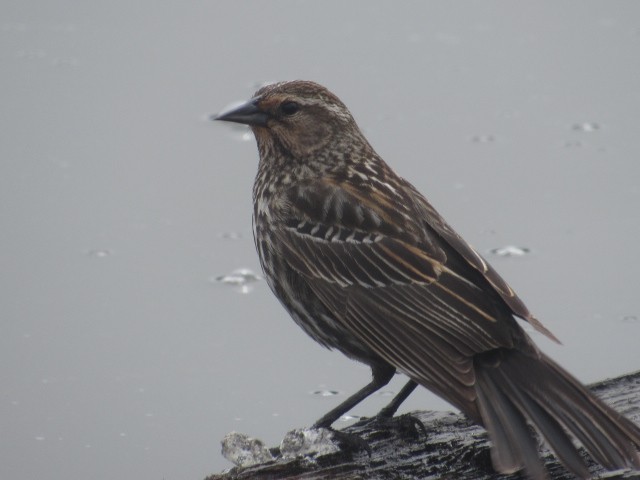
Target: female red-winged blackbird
[364,264]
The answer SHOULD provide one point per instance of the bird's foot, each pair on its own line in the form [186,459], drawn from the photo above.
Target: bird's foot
[350,442]
[407,426]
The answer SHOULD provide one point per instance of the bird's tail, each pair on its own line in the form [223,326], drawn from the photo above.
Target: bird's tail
[516,390]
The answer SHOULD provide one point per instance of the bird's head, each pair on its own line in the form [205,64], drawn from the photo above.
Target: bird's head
[299,116]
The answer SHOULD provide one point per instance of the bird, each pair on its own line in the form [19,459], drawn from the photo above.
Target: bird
[365,265]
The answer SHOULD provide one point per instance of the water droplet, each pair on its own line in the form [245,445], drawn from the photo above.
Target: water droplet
[240,132]
[386,393]
[510,251]
[630,319]
[325,393]
[585,127]
[348,418]
[39,438]
[122,434]
[483,139]
[241,278]
[231,235]
[99,252]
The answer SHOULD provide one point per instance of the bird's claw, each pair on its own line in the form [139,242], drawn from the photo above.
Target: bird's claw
[406,425]
[351,442]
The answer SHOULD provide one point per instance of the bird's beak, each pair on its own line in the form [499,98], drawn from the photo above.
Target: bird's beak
[248,113]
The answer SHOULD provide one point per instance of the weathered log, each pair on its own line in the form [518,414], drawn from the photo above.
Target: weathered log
[453,448]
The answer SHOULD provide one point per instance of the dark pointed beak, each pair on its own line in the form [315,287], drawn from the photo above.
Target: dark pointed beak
[248,113]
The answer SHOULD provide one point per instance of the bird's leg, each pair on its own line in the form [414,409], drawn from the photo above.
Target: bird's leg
[391,409]
[407,425]
[382,374]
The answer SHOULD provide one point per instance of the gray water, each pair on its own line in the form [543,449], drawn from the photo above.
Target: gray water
[122,356]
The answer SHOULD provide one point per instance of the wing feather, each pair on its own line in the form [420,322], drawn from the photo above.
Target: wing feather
[409,297]
[436,224]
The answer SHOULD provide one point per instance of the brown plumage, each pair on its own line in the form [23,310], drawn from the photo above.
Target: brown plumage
[364,264]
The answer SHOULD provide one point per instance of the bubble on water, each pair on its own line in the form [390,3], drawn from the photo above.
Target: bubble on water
[586,127]
[231,235]
[241,133]
[348,418]
[237,131]
[99,252]
[483,138]
[510,251]
[325,393]
[385,393]
[242,279]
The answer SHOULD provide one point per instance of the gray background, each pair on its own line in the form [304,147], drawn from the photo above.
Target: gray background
[119,202]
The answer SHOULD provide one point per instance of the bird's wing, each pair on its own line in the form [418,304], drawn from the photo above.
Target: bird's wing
[400,295]
[437,226]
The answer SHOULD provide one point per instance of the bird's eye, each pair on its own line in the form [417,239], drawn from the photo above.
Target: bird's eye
[289,108]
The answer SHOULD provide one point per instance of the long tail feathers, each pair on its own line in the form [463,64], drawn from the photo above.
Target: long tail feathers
[516,389]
